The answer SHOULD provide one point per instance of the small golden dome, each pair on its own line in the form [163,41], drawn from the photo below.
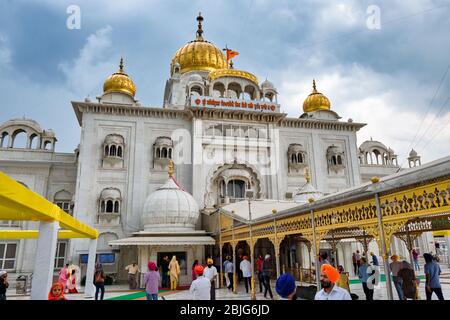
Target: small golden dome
[199,54]
[232,73]
[119,82]
[316,101]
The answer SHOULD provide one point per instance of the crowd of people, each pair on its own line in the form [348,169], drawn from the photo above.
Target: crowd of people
[335,283]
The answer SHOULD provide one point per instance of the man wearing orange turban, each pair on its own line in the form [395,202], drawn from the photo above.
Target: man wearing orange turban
[330,291]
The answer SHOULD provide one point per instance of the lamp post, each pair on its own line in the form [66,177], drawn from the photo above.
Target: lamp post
[252,259]
[277,249]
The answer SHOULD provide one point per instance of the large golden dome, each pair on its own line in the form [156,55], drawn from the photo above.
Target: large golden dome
[199,54]
[119,82]
[316,101]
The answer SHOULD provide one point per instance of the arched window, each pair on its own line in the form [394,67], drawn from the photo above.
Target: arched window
[236,189]
[34,141]
[113,150]
[300,158]
[196,91]
[47,145]
[170,153]
[109,206]
[19,139]
[218,89]
[164,153]
[106,151]
[294,158]
[158,153]
[333,160]
[116,206]
[4,140]
[119,151]
[339,159]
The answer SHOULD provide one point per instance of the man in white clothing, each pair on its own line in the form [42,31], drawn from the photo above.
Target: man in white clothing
[330,291]
[210,273]
[200,287]
[246,268]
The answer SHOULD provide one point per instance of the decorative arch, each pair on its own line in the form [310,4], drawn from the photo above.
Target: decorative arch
[19,138]
[216,175]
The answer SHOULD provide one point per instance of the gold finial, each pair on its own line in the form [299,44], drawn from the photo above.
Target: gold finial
[199,30]
[307,176]
[314,86]
[311,200]
[274,211]
[231,64]
[121,64]
[170,168]
[375,179]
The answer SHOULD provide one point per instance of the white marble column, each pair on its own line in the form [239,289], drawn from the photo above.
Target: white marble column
[45,260]
[89,289]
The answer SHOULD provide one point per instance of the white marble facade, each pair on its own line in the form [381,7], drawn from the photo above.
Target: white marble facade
[218,154]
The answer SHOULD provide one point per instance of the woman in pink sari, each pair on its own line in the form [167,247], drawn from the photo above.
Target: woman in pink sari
[63,276]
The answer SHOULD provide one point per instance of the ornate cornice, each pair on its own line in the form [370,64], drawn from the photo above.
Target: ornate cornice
[320,124]
[128,110]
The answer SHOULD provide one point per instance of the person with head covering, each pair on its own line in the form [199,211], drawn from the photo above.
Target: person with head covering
[194,275]
[408,281]
[395,267]
[56,292]
[99,281]
[365,271]
[432,272]
[329,276]
[343,279]
[285,287]
[64,276]
[267,274]
[201,287]
[72,282]
[210,273]
[259,269]
[151,281]
[174,272]
[3,284]
[246,268]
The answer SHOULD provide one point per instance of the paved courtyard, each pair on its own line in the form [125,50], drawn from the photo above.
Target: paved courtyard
[121,292]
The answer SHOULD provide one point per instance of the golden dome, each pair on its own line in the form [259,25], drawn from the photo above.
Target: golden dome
[232,73]
[119,82]
[199,54]
[316,101]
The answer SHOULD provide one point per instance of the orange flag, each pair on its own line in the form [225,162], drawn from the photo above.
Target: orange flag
[231,54]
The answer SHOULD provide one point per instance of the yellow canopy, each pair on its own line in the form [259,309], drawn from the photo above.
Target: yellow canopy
[17,202]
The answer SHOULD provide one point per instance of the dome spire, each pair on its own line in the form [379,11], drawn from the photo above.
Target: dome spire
[121,65]
[314,86]
[199,30]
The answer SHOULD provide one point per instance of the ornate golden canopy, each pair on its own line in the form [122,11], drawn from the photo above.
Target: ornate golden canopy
[119,82]
[199,54]
[232,73]
[316,101]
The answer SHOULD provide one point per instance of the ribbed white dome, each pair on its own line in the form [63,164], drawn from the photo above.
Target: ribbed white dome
[170,209]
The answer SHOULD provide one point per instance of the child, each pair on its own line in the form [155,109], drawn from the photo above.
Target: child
[56,292]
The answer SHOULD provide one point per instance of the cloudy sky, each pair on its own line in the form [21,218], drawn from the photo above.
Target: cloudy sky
[395,78]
